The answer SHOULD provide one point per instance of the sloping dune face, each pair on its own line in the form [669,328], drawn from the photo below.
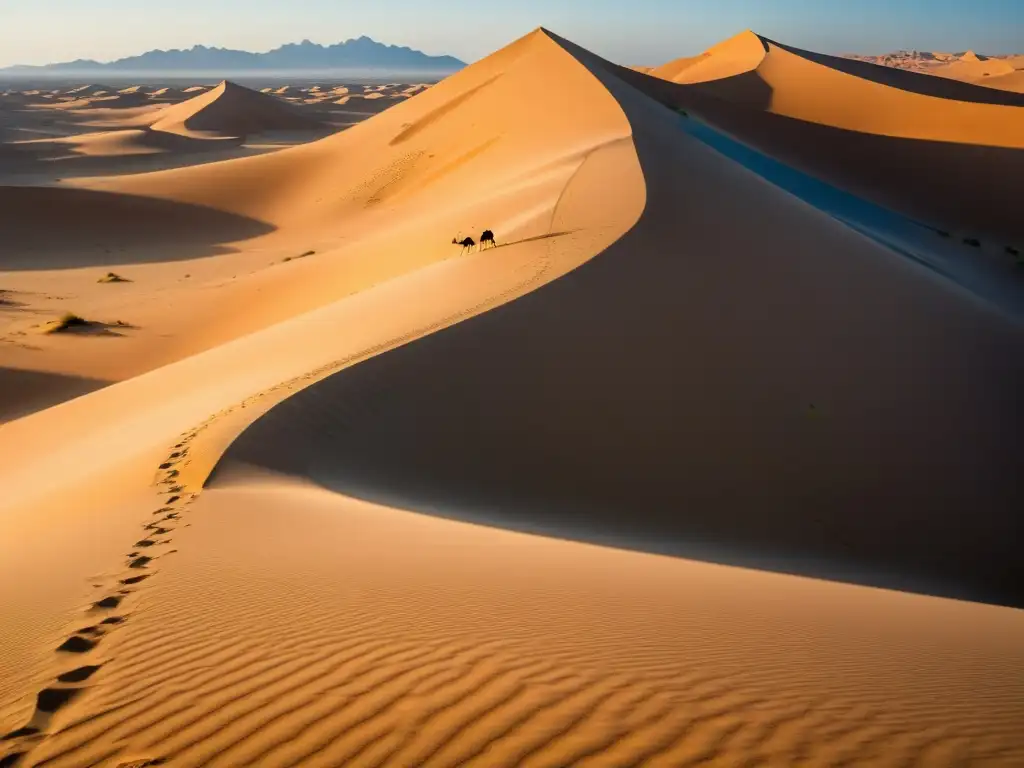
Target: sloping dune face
[783,392]
[939,151]
[231,110]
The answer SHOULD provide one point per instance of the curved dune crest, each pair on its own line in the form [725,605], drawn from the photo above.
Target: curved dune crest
[730,58]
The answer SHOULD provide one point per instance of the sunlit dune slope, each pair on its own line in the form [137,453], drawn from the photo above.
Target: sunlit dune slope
[361,207]
[739,378]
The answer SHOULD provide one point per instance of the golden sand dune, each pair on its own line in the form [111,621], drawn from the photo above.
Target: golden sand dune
[231,110]
[665,351]
[934,149]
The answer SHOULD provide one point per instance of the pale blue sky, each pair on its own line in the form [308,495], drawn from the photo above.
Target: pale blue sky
[627,31]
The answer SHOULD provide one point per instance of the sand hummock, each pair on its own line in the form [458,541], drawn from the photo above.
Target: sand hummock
[688,469]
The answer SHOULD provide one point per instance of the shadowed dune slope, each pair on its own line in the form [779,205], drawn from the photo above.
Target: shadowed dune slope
[783,393]
[952,164]
[109,228]
[232,110]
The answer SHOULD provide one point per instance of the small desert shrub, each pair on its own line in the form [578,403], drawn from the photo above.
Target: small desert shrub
[300,256]
[111,277]
[66,321]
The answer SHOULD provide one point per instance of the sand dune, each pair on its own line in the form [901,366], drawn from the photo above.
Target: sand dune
[231,110]
[826,422]
[629,366]
[879,132]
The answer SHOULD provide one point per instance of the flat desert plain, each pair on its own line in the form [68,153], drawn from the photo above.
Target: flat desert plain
[712,457]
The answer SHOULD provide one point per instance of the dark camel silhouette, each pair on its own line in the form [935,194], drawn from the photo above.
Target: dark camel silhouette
[466,243]
[487,237]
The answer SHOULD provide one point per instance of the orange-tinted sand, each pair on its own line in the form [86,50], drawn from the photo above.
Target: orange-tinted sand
[357,498]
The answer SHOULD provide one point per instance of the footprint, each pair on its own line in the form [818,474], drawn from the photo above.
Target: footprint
[49,700]
[165,465]
[107,602]
[113,620]
[79,675]
[145,763]
[173,499]
[135,579]
[77,644]
[145,543]
[140,562]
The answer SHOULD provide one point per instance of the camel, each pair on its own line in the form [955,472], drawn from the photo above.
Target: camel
[466,243]
[487,237]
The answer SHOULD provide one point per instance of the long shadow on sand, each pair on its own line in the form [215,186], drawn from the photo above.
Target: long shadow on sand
[23,392]
[55,227]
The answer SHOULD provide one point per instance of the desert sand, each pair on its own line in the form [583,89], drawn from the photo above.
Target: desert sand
[691,469]
[1000,72]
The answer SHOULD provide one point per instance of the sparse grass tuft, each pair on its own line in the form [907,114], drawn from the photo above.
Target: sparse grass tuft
[111,277]
[300,256]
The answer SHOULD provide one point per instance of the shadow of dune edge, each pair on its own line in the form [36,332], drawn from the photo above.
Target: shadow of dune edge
[23,392]
[108,228]
[952,185]
[784,394]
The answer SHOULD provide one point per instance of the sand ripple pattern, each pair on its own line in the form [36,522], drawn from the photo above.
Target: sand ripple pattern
[342,688]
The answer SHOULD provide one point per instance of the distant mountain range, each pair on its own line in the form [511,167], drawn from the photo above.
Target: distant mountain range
[361,53]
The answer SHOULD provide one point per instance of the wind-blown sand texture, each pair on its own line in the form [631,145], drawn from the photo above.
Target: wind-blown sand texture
[223,559]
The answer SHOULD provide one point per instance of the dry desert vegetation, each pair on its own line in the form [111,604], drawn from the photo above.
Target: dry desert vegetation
[714,459]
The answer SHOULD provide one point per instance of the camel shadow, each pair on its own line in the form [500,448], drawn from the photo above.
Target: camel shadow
[547,236]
